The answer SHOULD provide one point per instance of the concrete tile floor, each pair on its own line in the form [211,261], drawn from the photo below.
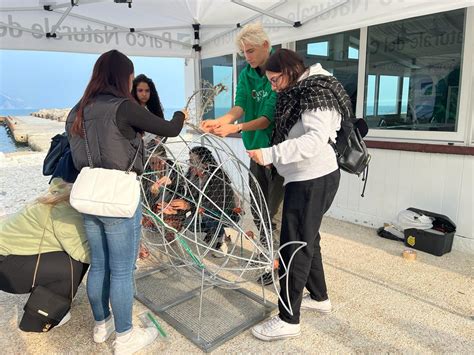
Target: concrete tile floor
[382,303]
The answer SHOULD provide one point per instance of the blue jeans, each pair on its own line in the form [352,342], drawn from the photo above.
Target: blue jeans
[114,244]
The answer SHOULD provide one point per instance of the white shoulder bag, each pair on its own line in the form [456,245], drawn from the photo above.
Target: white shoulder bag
[106,192]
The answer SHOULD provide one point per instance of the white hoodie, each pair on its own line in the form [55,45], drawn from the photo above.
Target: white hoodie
[306,154]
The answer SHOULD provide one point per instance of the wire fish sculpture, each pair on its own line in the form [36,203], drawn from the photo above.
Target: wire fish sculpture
[203,209]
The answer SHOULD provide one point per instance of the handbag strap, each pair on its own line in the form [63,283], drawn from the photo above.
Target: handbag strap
[39,257]
[39,249]
[89,158]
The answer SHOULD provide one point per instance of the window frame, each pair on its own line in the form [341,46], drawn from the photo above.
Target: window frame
[463,125]
[464,136]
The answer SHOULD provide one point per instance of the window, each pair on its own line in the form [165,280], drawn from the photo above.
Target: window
[413,73]
[338,54]
[218,70]
[318,48]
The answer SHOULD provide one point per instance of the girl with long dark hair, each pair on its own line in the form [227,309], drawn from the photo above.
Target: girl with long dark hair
[144,91]
[112,122]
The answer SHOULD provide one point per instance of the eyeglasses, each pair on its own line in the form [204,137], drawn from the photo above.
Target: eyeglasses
[274,79]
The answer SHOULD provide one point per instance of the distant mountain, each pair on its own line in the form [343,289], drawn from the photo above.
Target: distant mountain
[9,103]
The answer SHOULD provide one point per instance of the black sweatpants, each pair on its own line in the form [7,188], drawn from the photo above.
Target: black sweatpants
[54,273]
[304,205]
[272,189]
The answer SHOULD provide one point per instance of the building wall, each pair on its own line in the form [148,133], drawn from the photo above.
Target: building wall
[439,183]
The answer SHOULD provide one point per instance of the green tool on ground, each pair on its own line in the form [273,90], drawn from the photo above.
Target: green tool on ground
[157,325]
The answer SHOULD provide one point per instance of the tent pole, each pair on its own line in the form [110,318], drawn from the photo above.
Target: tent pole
[197,56]
[263,11]
[63,17]
[35,8]
[242,23]
[93,20]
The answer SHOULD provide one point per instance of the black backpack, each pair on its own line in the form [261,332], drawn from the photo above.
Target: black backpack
[58,161]
[59,144]
[351,152]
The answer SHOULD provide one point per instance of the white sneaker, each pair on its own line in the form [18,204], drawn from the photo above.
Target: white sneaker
[221,252]
[135,340]
[65,319]
[320,306]
[103,331]
[275,328]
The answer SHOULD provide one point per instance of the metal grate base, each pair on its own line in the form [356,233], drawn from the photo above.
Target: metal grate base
[175,297]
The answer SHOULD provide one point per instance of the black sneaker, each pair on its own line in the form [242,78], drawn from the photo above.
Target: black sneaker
[266,279]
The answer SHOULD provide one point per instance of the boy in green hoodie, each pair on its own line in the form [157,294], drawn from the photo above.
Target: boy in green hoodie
[255,104]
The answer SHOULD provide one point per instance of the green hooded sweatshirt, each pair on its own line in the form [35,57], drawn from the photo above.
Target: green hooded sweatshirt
[255,96]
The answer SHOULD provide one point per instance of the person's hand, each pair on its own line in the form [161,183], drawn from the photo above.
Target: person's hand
[201,210]
[179,204]
[226,129]
[144,252]
[256,155]
[155,188]
[185,113]
[237,210]
[165,180]
[165,208]
[208,126]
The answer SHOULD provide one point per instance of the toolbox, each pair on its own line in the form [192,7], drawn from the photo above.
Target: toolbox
[436,241]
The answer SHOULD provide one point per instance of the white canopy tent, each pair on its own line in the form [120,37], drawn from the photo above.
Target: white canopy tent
[172,27]
[188,28]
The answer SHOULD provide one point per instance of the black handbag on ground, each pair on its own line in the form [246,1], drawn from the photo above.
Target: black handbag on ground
[43,304]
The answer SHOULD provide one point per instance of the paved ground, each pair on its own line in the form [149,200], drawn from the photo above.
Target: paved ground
[382,303]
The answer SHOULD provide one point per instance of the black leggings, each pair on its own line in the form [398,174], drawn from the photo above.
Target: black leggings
[54,273]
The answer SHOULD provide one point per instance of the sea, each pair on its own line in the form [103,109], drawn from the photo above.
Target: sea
[7,143]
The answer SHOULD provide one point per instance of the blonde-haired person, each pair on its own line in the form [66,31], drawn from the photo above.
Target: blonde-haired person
[254,110]
[52,219]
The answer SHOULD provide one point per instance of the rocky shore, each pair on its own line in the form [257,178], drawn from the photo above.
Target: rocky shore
[56,114]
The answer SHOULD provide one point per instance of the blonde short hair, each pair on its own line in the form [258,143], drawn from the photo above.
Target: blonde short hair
[252,33]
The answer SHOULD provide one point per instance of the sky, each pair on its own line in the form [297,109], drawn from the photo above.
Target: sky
[58,80]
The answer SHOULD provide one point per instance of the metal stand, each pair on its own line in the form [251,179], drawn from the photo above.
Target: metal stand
[205,314]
